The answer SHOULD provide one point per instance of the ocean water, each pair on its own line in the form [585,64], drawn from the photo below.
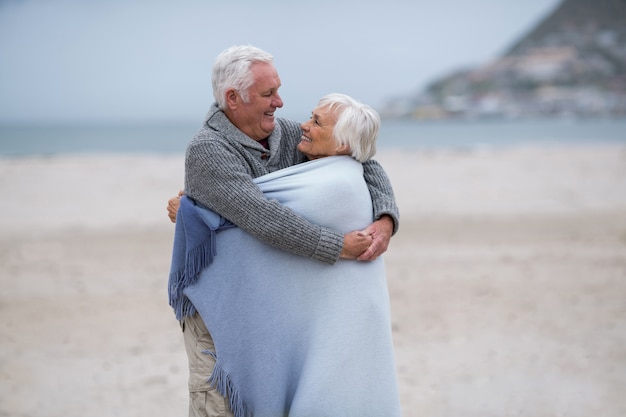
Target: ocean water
[171,138]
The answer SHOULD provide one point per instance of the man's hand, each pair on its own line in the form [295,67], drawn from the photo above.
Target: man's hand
[380,231]
[354,244]
[172,206]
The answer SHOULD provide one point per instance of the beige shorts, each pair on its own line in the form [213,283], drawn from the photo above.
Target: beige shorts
[204,401]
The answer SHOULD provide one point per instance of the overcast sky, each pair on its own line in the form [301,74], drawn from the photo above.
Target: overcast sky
[77,60]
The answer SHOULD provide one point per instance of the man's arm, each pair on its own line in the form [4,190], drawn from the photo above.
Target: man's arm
[374,240]
[363,245]
[219,178]
[386,213]
[381,191]
[354,243]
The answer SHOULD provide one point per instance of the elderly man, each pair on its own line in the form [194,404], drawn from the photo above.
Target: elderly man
[240,140]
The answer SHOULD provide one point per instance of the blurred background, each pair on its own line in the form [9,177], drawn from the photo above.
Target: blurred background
[117,69]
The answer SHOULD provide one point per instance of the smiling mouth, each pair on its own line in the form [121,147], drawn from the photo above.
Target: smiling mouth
[305,139]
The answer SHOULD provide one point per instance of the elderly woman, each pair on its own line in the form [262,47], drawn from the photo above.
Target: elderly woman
[295,337]
[339,125]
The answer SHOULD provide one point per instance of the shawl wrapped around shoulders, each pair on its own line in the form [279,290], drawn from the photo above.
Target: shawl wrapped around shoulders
[293,336]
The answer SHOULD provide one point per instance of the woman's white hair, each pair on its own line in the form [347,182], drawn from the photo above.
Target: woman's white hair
[357,125]
[232,70]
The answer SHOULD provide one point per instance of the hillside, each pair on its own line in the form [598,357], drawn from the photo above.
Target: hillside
[573,63]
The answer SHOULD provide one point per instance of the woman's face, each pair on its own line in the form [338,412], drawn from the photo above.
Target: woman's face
[317,135]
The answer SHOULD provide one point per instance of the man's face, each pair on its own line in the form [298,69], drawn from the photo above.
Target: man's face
[256,117]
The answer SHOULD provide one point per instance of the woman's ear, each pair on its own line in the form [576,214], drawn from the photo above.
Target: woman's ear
[344,150]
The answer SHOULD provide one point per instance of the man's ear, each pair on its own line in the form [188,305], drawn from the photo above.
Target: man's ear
[232,98]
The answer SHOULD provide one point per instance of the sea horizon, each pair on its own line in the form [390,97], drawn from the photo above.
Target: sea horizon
[19,139]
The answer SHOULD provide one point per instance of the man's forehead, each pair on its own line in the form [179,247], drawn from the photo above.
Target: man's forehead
[263,68]
[265,76]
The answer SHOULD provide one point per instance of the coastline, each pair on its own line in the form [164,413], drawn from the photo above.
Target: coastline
[506,282]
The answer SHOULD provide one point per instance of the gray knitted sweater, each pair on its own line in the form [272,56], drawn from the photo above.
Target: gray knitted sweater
[221,162]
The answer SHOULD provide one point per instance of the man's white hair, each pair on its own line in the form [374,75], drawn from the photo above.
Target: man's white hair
[232,70]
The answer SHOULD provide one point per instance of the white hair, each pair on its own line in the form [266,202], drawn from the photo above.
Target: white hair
[357,125]
[232,70]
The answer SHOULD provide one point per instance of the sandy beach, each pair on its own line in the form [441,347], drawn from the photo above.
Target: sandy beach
[507,282]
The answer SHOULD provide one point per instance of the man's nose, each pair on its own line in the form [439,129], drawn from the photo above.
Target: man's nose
[278,101]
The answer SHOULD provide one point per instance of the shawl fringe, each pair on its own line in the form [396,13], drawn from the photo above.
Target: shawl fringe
[220,380]
[191,255]
[196,260]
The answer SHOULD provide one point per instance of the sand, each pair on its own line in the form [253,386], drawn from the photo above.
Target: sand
[507,283]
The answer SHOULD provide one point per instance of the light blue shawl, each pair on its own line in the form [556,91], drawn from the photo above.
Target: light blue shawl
[293,336]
